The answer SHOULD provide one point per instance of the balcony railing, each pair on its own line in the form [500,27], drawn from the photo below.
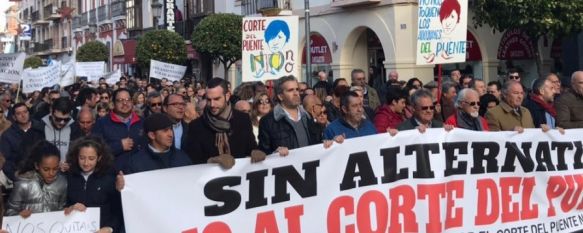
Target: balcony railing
[250,7]
[42,47]
[50,12]
[93,16]
[76,22]
[35,16]
[84,19]
[102,13]
[49,42]
[118,8]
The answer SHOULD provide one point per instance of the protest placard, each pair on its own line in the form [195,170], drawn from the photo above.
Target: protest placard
[113,77]
[458,181]
[67,74]
[92,70]
[169,71]
[442,31]
[53,222]
[36,79]
[11,66]
[270,48]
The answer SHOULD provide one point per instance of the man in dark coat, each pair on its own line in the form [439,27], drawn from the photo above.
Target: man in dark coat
[222,133]
[174,107]
[540,103]
[424,113]
[570,104]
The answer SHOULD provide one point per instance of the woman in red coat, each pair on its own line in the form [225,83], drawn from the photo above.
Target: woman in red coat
[467,112]
[391,114]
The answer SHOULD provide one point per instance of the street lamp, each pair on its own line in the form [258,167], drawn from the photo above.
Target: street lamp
[156,12]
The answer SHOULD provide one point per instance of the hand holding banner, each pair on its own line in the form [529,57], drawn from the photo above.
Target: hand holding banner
[169,71]
[76,222]
[438,181]
[11,66]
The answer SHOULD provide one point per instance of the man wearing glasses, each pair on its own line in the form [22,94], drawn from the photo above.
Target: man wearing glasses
[467,112]
[174,107]
[6,102]
[121,129]
[56,128]
[510,115]
[422,119]
[154,103]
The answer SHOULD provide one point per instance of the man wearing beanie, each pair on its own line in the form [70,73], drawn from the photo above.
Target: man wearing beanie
[222,133]
[159,153]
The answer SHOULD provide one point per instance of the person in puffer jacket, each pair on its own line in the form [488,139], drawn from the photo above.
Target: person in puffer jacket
[39,186]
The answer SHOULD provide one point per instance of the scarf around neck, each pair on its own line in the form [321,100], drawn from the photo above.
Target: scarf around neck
[548,107]
[221,125]
[465,121]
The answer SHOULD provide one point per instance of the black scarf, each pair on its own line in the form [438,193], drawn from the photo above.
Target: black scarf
[221,125]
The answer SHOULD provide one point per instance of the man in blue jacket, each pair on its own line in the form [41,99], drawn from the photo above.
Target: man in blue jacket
[352,123]
[121,129]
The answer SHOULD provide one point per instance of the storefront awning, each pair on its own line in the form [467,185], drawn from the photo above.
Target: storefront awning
[319,51]
[124,52]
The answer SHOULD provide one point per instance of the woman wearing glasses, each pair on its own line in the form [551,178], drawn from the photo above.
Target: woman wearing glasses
[261,107]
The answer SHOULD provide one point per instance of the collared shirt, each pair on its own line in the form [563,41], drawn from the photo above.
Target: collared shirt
[419,123]
[156,150]
[551,122]
[178,130]
[290,117]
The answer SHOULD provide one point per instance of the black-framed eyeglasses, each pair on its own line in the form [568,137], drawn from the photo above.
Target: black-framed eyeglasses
[473,103]
[177,104]
[155,104]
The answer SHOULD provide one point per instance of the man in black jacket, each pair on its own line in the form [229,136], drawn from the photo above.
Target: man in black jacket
[10,142]
[286,127]
[174,107]
[222,133]
[540,104]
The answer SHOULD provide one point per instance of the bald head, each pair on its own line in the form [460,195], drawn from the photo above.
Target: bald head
[309,102]
[86,120]
[243,106]
[393,76]
[577,82]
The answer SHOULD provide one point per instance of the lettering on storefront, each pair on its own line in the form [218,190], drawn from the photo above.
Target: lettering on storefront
[170,15]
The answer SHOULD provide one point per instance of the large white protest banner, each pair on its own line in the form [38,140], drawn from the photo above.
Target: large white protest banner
[270,48]
[113,77]
[11,66]
[458,181]
[36,79]
[92,70]
[76,222]
[442,31]
[67,74]
[169,71]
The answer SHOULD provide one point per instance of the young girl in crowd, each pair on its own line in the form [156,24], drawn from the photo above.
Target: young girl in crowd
[91,183]
[39,186]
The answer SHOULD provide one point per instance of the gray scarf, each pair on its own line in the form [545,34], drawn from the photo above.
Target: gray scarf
[465,121]
[221,125]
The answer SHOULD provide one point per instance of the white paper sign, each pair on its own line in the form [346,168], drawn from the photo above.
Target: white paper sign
[11,66]
[169,71]
[36,79]
[113,77]
[76,222]
[67,74]
[438,181]
[270,48]
[442,31]
[92,70]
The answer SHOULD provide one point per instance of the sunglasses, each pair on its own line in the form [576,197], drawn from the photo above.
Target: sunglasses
[474,103]
[425,108]
[59,119]
[515,77]
[155,104]
[105,97]
[263,101]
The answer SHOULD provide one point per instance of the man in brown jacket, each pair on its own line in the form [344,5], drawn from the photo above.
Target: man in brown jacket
[510,115]
[570,104]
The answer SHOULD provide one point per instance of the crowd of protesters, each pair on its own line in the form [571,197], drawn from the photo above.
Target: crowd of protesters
[69,149]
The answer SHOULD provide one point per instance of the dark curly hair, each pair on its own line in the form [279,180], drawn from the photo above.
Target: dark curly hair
[40,150]
[104,164]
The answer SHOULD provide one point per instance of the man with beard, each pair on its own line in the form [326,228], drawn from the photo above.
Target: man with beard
[352,123]
[121,129]
[540,104]
[286,127]
[467,115]
[222,133]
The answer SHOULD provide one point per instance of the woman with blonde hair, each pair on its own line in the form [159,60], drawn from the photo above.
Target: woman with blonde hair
[261,107]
